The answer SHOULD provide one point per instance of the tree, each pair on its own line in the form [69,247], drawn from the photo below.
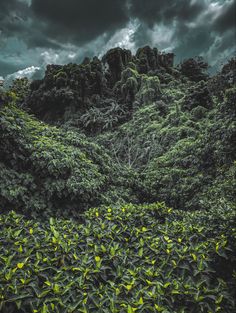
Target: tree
[195,69]
[20,87]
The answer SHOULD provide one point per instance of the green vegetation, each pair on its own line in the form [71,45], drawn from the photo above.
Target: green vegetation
[77,146]
[181,146]
[119,259]
[45,170]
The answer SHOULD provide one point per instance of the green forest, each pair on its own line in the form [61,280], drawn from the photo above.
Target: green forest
[118,187]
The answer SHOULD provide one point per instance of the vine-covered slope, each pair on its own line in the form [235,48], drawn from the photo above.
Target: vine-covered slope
[157,132]
[45,169]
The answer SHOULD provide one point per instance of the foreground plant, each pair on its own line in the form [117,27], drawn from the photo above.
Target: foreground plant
[126,259]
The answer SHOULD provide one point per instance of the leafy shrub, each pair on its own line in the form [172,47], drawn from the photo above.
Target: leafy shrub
[20,87]
[65,86]
[197,95]
[194,69]
[183,175]
[149,89]
[45,168]
[181,146]
[228,106]
[6,97]
[97,120]
[223,80]
[120,259]
[198,112]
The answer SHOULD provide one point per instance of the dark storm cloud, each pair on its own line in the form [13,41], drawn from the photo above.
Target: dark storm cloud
[78,20]
[179,13]
[9,5]
[6,68]
[159,11]
[33,32]
[17,20]
[198,27]
[52,23]
[13,15]
[227,19]
[220,45]
[179,16]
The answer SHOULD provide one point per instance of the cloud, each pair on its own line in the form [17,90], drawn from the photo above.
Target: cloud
[18,20]
[123,38]
[226,18]
[49,58]
[189,28]
[13,17]
[36,32]
[157,11]
[28,72]
[78,20]
[7,67]
[159,36]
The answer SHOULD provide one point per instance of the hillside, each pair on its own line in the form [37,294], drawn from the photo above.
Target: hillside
[129,128]
[80,144]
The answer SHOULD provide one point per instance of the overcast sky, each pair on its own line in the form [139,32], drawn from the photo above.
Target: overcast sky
[34,33]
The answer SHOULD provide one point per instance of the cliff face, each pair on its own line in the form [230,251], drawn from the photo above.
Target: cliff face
[78,87]
[115,61]
[146,60]
[151,59]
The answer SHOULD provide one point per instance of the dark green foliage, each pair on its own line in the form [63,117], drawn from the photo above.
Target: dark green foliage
[72,89]
[228,106]
[149,90]
[198,112]
[194,69]
[65,86]
[43,168]
[116,59]
[6,97]
[21,88]
[191,167]
[224,79]
[149,59]
[120,259]
[16,93]
[99,119]
[198,95]
[182,146]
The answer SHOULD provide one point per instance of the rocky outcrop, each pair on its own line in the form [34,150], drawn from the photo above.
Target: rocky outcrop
[229,71]
[76,86]
[149,59]
[115,61]
[166,60]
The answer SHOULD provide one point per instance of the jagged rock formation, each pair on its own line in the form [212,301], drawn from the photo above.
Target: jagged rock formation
[225,79]
[116,61]
[151,59]
[117,76]
[195,69]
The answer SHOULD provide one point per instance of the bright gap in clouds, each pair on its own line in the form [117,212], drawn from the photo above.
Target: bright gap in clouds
[27,72]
